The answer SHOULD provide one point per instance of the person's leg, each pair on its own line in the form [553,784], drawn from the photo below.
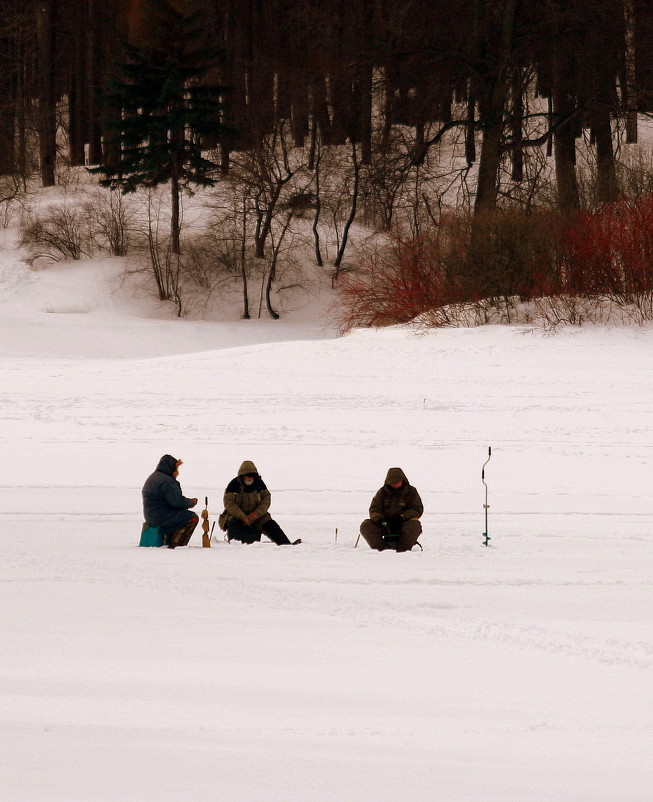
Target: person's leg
[237,530]
[188,530]
[373,534]
[276,534]
[182,534]
[410,532]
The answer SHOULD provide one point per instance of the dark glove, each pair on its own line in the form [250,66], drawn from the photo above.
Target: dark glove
[395,524]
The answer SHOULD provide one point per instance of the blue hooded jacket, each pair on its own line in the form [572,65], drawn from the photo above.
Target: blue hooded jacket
[163,502]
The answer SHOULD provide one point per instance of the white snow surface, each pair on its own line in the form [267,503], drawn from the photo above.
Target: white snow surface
[519,671]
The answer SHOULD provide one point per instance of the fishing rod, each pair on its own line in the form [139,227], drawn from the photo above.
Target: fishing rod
[486,506]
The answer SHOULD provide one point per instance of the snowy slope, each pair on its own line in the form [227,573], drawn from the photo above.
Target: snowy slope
[322,672]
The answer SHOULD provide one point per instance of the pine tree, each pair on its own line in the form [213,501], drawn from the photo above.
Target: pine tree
[165,104]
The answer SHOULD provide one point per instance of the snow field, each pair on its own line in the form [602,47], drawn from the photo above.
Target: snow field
[321,672]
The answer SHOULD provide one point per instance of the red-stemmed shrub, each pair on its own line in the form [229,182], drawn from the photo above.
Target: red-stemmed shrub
[610,252]
[402,278]
[592,266]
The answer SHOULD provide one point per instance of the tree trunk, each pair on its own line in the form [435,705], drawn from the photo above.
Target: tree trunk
[77,112]
[387,116]
[492,109]
[47,116]
[21,107]
[352,213]
[606,174]
[316,217]
[564,139]
[320,110]
[488,167]
[470,131]
[93,61]
[516,124]
[263,229]
[174,216]
[630,90]
[299,112]
[273,268]
[8,111]
[365,89]
[243,262]
[177,138]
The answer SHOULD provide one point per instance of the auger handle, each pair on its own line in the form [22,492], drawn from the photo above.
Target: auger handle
[486,506]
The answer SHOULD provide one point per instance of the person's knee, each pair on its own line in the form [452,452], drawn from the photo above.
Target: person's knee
[371,532]
[370,527]
[410,532]
[412,529]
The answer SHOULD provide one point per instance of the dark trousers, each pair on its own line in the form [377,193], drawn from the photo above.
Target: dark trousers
[237,530]
[376,536]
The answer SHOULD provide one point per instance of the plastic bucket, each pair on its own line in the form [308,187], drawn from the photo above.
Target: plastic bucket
[151,536]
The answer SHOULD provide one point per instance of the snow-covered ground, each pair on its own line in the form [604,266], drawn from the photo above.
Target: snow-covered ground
[518,672]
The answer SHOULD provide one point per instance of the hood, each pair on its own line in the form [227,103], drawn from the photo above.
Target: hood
[167,464]
[247,467]
[395,475]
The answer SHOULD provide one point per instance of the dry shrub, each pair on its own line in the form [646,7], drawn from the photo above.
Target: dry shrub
[59,234]
[111,219]
[512,253]
[12,198]
[212,257]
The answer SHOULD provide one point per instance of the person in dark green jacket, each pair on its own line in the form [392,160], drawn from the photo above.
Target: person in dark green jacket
[394,515]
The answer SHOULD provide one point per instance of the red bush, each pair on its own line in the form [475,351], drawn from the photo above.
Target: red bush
[399,282]
[595,255]
[610,252]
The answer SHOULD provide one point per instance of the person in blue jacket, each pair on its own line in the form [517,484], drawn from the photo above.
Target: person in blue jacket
[164,504]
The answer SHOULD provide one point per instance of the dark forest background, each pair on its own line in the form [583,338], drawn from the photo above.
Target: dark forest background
[519,89]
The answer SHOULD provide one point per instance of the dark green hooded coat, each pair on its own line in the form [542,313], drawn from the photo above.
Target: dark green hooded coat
[403,502]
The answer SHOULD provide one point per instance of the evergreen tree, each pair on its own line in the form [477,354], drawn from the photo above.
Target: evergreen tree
[165,104]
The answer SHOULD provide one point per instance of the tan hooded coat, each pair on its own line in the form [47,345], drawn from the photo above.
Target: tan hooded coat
[240,501]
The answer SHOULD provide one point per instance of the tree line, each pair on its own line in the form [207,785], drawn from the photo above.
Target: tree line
[510,76]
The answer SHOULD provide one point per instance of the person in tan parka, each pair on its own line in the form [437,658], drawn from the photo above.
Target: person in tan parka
[246,504]
[394,515]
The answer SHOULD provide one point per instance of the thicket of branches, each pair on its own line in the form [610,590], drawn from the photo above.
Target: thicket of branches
[383,113]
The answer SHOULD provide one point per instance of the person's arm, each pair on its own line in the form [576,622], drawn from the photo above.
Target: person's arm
[171,492]
[377,513]
[263,505]
[231,505]
[414,508]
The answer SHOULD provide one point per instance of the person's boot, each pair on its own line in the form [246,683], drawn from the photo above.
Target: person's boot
[188,530]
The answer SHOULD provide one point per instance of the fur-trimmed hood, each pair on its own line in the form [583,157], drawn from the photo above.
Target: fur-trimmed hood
[247,467]
[167,464]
